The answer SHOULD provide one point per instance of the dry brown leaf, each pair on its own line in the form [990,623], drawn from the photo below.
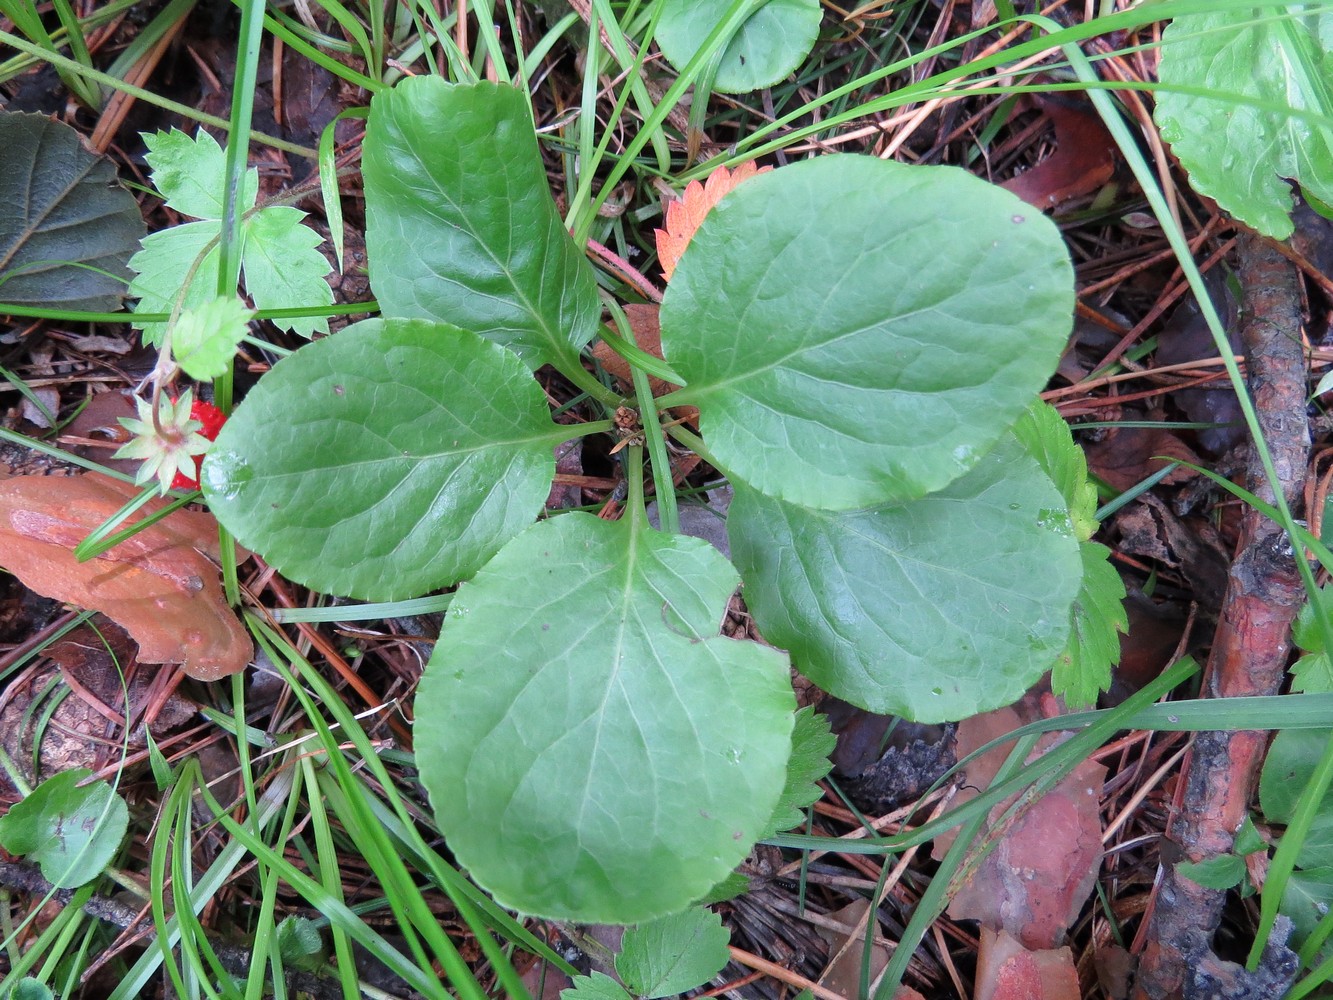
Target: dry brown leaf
[685,214]
[847,949]
[1128,455]
[158,585]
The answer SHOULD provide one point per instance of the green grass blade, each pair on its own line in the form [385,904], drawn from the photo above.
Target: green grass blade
[139,93]
[328,180]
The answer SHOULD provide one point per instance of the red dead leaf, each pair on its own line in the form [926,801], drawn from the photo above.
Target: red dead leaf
[1007,971]
[1083,160]
[648,336]
[684,215]
[158,585]
[1044,866]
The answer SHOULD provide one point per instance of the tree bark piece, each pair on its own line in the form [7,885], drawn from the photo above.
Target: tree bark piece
[1249,657]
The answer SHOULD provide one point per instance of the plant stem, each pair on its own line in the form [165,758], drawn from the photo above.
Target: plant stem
[585,380]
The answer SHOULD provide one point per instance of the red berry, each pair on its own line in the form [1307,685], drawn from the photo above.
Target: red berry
[212,418]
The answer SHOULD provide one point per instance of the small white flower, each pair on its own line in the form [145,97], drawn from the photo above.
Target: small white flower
[167,448]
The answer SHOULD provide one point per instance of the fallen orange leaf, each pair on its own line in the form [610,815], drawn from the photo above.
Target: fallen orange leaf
[685,214]
[159,585]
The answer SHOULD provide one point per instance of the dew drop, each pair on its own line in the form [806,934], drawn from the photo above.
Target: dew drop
[226,473]
[1054,520]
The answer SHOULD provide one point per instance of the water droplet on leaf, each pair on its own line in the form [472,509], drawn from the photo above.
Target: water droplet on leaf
[225,473]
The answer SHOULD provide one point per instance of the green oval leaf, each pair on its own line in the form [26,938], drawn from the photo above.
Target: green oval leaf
[73,832]
[67,227]
[1241,154]
[935,609]
[594,750]
[767,48]
[461,227]
[387,460]
[879,327]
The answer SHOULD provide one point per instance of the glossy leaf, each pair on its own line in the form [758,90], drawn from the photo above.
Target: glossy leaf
[461,227]
[370,463]
[684,215]
[67,227]
[767,48]
[72,832]
[593,749]
[881,326]
[673,954]
[936,609]
[1241,155]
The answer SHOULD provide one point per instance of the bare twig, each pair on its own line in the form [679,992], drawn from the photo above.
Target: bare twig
[1249,657]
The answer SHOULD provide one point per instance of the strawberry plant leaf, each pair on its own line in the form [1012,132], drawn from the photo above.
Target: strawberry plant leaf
[673,954]
[767,48]
[176,264]
[597,986]
[936,609]
[461,227]
[1083,669]
[848,364]
[1241,155]
[1097,617]
[1224,871]
[72,832]
[284,269]
[366,464]
[191,174]
[67,227]
[597,751]
[730,887]
[1048,439]
[1313,672]
[811,743]
[281,265]
[207,335]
